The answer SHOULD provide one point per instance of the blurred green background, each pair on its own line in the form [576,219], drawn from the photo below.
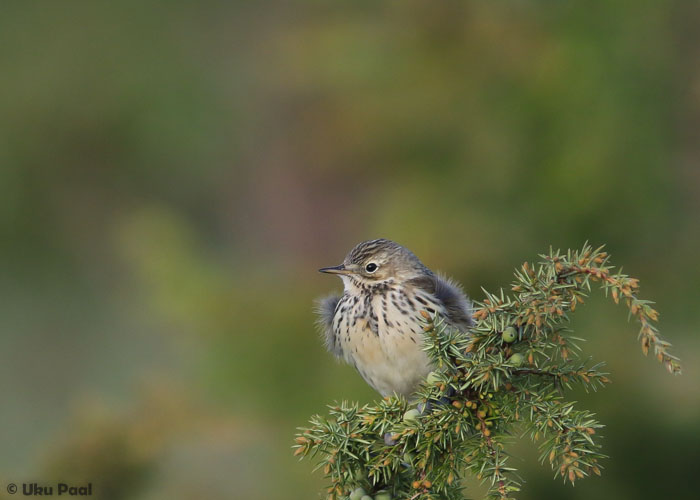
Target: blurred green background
[172,174]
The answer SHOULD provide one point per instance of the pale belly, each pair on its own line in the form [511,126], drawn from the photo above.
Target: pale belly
[391,360]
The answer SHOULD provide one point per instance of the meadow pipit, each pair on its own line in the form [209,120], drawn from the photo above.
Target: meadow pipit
[376,325]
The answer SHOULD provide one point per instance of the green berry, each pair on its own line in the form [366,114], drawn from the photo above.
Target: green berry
[411,415]
[509,335]
[384,495]
[357,494]
[366,497]
[433,378]
[516,359]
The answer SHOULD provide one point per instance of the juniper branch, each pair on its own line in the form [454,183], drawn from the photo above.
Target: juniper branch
[510,373]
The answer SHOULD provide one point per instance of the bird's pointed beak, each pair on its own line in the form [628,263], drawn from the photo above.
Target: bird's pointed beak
[335,270]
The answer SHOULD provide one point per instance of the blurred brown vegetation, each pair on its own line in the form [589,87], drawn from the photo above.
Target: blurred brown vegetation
[173,174]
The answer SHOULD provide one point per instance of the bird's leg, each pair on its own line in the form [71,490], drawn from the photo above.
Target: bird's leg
[444,400]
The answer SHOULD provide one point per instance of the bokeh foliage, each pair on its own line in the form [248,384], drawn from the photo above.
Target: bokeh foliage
[172,175]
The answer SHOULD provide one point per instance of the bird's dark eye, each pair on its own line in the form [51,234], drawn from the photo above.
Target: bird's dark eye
[371,267]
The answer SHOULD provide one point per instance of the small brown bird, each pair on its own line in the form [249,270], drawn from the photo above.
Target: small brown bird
[376,325]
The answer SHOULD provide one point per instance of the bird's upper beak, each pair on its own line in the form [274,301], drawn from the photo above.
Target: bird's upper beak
[341,269]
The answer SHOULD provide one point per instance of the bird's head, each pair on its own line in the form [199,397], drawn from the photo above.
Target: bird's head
[375,261]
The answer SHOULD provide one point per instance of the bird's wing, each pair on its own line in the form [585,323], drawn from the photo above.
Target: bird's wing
[325,308]
[457,306]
